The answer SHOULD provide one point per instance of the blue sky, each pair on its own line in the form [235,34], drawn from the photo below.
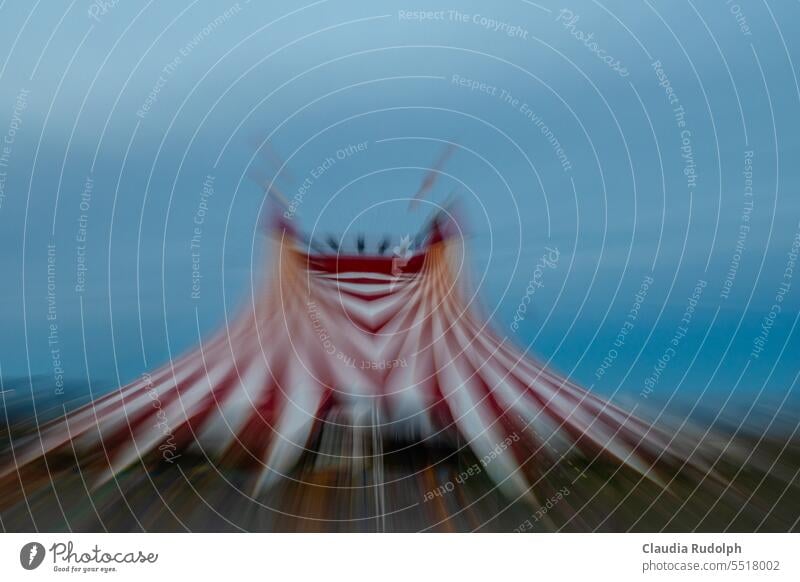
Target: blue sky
[615,200]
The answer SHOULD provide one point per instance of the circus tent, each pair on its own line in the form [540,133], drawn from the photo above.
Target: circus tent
[389,341]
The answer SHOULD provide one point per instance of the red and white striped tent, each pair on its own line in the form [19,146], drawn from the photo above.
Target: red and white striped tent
[392,340]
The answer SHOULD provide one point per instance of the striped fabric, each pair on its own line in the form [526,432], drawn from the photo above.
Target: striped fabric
[393,342]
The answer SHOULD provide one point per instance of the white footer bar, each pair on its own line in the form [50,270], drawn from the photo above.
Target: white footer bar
[401,557]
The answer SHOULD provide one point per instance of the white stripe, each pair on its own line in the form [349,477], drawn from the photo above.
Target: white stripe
[364,275]
[151,434]
[230,415]
[294,428]
[463,395]
[368,289]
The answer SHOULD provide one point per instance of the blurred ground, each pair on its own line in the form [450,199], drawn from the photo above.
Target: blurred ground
[405,488]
